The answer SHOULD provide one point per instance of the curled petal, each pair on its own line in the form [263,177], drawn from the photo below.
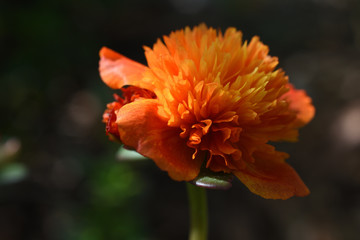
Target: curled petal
[271,177]
[117,70]
[141,128]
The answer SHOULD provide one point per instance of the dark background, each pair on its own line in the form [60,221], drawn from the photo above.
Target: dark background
[59,176]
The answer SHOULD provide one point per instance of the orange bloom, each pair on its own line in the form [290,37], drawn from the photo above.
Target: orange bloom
[208,98]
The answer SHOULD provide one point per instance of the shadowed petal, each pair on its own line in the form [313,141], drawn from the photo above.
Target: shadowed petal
[142,129]
[117,70]
[271,177]
[300,103]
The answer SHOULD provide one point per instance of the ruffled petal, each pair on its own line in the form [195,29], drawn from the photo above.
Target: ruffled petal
[117,70]
[271,177]
[301,104]
[141,128]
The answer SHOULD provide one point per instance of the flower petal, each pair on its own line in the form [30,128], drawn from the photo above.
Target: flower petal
[271,177]
[300,103]
[117,70]
[141,128]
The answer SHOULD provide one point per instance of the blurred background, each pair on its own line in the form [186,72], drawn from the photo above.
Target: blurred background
[60,177]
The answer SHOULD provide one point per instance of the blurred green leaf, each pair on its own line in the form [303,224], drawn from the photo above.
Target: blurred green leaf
[114,184]
[112,212]
[12,173]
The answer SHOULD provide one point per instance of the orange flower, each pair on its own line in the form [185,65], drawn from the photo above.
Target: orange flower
[208,98]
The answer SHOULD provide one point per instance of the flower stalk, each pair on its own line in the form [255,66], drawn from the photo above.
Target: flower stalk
[198,212]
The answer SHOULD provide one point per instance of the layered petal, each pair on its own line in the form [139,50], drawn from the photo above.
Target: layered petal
[141,128]
[117,70]
[271,177]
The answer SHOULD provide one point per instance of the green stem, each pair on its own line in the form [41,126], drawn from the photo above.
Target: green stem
[198,212]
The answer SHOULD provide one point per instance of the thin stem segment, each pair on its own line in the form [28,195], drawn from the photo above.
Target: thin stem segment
[198,212]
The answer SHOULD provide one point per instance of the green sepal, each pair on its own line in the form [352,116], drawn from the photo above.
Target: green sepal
[124,154]
[213,180]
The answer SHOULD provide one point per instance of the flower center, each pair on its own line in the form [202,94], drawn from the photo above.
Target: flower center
[197,131]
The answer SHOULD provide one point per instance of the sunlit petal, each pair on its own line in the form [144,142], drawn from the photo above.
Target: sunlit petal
[117,70]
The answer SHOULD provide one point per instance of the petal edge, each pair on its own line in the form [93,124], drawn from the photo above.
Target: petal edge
[117,70]
[143,130]
[271,177]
